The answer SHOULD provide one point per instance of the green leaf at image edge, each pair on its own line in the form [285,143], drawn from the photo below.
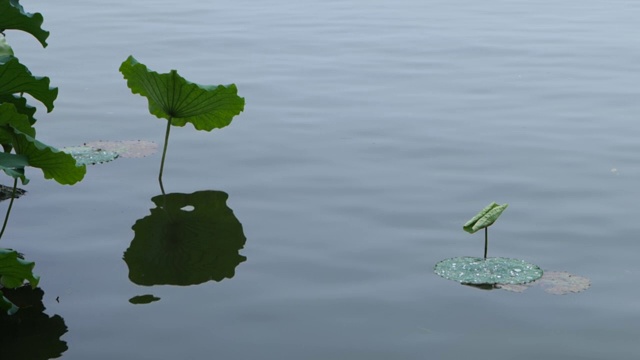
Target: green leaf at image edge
[486,217]
[172,97]
[54,164]
[14,271]
[7,305]
[5,49]
[13,165]
[16,78]
[13,16]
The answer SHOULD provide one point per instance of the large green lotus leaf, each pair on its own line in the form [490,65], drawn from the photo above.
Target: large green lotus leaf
[5,49]
[14,271]
[21,105]
[30,334]
[13,165]
[188,239]
[54,164]
[486,217]
[472,270]
[16,78]
[13,16]
[172,97]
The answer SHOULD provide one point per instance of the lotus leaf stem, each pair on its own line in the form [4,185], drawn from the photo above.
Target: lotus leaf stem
[164,153]
[13,196]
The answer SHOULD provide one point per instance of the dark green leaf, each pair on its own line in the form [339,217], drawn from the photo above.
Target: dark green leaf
[16,78]
[13,165]
[14,271]
[5,49]
[178,245]
[10,120]
[172,97]
[13,16]
[21,105]
[6,305]
[54,164]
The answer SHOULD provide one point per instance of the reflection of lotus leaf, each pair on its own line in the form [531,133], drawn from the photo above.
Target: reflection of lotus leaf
[188,239]
[30,334]
[471,270]
[556,283]
[143,299]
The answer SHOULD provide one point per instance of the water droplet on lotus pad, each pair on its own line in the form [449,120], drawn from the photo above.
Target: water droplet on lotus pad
[472,270]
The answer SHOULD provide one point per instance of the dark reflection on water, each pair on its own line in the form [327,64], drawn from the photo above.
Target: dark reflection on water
[30,334]
[188,239]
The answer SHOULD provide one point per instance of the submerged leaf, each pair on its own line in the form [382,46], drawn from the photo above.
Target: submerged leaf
[471,270]
[15,78]
[143,299]
[554,282]
[126,148]
[87,155]
[485,218]
[188,239]
[562,282]
[172,97]
[14,271]
[6,191]
[13,16]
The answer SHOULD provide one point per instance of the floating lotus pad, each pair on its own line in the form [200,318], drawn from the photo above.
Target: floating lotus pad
[126,148]
[473,270]
[87,155]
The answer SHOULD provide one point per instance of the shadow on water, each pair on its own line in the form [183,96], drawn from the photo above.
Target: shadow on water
[30,334]
[187,239]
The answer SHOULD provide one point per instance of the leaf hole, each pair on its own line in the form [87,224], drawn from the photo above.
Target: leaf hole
[188,208]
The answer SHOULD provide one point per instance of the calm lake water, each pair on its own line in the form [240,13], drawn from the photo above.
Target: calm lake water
[372,131]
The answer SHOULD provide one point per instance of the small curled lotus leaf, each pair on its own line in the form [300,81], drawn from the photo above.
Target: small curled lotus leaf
[14,270]
[485,218]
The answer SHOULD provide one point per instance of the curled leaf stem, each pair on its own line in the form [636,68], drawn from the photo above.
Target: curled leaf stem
[486,241]
[6,217]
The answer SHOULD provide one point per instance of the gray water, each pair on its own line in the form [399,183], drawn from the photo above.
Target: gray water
[372,131]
